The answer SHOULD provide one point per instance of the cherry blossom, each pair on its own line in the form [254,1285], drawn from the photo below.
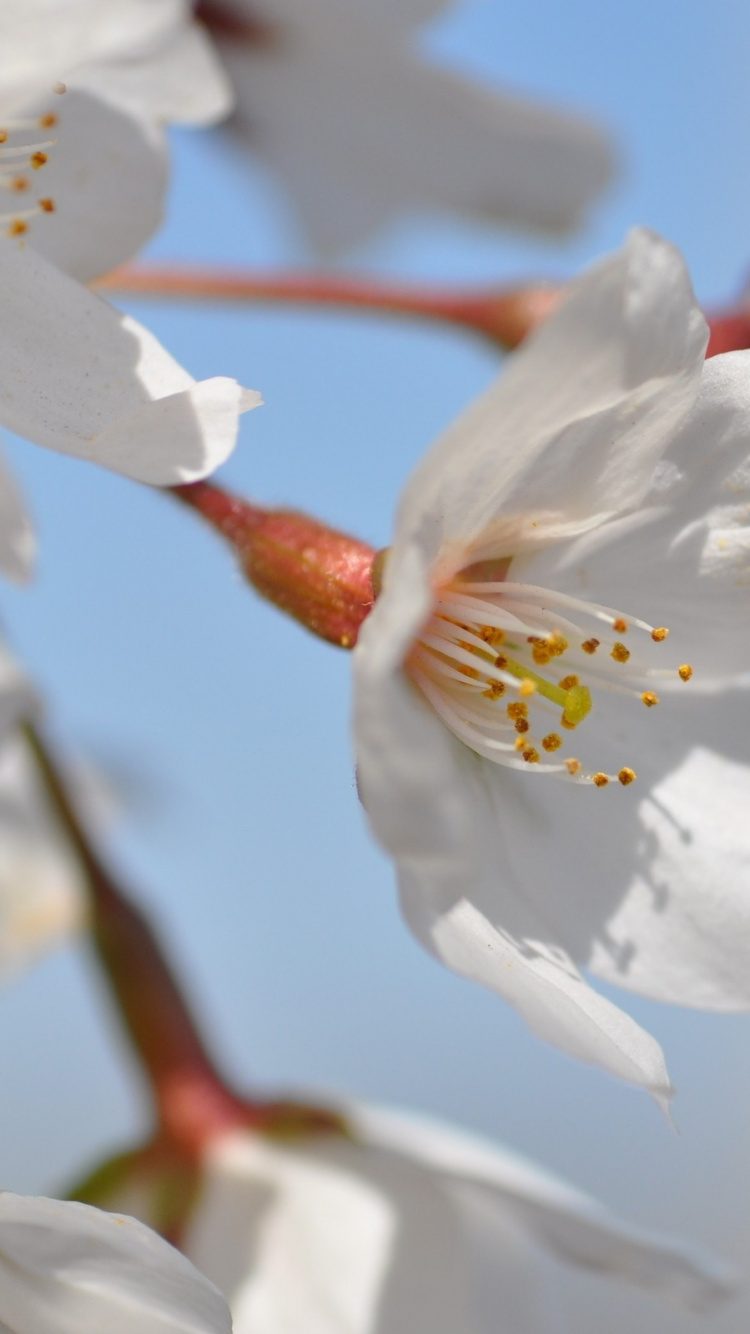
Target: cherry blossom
[411,1226]
[550,691]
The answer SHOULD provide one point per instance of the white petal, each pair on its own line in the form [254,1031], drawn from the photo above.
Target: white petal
[70,1269]
[42,41]
[181,81]
[569,1223]
[361,129]
[685,559]
[433,805]
[107,175]
[570,432]
[83,379]
[328,1239]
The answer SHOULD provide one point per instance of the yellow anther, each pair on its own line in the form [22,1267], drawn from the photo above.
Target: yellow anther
[3,136]
[649,698]
[685,671]
[517,710]
[552,741]
[541,655]
[47,205]
[495,690]
[492,635]
[500,661]
[520,743]
[659,634]
[531,756]
[620,626]
[18,228]
[18,184]
[521,724]
[627,776]
[577,705]
[527,686]
[620,653]
[38,160]
[573,766]
[590,645]
[568,682]
[600,780]
[557,644]
[47,120]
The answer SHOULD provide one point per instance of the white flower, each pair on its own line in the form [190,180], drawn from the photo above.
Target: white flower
[598,489]
[85,176]
[129,66]
[411,1228]
[334,95]
[71,1269]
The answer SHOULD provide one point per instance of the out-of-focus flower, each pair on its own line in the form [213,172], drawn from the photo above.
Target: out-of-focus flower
[71,1269]
[409,1227]
[594,496]
[129,66]
[84,176]
[42,895]
[334,95]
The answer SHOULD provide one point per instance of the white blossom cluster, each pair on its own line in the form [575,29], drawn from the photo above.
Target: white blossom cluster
[561,610]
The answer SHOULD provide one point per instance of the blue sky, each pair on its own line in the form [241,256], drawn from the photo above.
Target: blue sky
[245,838]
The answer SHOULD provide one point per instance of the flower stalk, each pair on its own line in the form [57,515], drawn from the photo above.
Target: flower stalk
[321,577]
[193,1102]
[504,316]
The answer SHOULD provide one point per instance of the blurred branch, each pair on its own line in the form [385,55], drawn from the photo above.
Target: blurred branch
[504,315]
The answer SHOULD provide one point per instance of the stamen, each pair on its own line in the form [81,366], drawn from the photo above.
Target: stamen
[457,666]
[659,634]
[685,671]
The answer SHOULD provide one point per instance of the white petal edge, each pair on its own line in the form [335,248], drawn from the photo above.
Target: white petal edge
[71,1269]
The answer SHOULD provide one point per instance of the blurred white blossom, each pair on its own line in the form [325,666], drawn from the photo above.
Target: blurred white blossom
[411,1227]
[71,1269]
[594,497]
[335,96]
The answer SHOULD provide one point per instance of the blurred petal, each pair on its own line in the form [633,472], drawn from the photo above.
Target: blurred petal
[17,543]
[70,1269]
[361,129]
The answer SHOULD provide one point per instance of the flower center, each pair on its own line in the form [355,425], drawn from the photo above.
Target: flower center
[22,154]
[512,668]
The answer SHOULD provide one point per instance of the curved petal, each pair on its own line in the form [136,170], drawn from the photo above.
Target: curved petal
[70,1269]
[575,1227]
[329,1238]
[361,129]
[42,41]
[107,175]
[79,377]
[181,81]
[685,561]
[570,432]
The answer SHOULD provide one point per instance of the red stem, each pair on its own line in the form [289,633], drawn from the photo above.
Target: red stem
[192,1100]
[505,316]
